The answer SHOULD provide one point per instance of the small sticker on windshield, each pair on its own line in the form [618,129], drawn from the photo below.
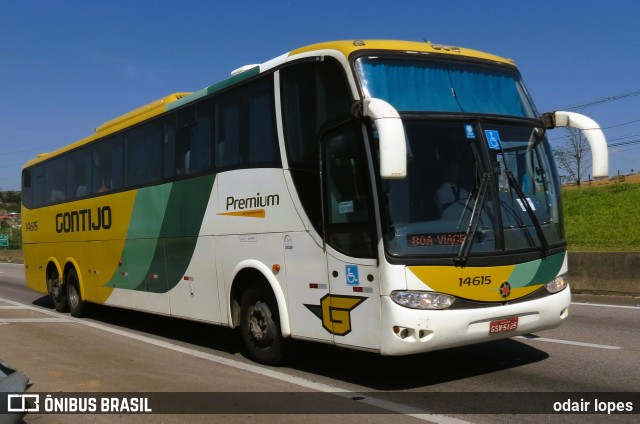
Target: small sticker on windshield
[493,139]
[345,207]
[468,130]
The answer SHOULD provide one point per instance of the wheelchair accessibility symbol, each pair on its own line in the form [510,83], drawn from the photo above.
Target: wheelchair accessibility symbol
[493,139]
[352,275]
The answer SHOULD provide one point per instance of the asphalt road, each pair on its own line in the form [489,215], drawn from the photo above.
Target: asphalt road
[594,355]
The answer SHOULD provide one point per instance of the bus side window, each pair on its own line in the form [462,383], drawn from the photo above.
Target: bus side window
[143,155]
[79,173]
[169,146]
[56,180]
[27,188]
[107,165]
[188,140]
[245,129]
[198,157]
[312,93]
[37,186]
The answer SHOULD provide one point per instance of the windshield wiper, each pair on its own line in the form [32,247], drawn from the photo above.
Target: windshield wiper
[544,245]
[463,253]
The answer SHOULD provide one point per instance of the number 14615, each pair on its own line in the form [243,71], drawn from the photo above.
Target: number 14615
[479,280]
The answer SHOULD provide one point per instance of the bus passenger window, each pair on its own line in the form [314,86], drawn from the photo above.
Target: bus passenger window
[79,173]
[245,129]
[312,94]
[198,156]
[169,146]
[107,165]
[187,141]
[55,182]
[143,155]
[38,185]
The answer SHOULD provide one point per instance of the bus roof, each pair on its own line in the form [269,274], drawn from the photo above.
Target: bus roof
[346,47]
[123,121]
[140,114]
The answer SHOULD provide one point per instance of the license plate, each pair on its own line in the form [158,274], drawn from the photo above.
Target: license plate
[503,325]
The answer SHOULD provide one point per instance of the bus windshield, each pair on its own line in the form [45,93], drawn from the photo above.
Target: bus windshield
[420,84]
[458,165]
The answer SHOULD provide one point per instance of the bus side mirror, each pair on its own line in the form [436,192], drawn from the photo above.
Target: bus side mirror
[591,131]
[393,147]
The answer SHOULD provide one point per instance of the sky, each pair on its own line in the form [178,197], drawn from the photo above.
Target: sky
[67,66]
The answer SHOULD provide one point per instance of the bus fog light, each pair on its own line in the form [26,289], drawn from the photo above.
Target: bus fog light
[557,284]
[422,300]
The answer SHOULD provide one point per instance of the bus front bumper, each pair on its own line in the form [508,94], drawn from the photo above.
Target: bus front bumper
[406,331]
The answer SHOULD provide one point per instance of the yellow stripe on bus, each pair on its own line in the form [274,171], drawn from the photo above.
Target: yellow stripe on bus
[473,283]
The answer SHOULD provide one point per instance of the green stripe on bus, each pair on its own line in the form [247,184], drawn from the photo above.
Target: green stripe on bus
[183,219]
[540,271]
[549,268]
[233,80]
[162,236]
[229,82]
[142,237]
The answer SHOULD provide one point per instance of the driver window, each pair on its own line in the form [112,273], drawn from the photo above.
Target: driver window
[347,195]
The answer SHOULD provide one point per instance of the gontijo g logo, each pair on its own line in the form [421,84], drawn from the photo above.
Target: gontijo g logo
[335,312]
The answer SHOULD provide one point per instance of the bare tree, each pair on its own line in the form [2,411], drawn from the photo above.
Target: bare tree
[574,158]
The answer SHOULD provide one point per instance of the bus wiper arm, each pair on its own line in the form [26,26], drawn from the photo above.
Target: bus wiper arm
[463,253]
[544,244]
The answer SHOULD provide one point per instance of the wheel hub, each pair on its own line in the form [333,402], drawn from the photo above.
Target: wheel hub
[73,296]
[56,290]
[261,326]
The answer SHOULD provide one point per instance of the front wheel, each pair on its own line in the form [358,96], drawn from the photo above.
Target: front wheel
[260,326]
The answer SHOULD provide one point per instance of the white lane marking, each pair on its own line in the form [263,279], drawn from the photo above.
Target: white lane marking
[18,320]
[567,342]
[420,414]
[602,305]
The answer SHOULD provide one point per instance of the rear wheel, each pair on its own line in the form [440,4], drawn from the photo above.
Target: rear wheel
[74,298]
[260,326]
[57,291]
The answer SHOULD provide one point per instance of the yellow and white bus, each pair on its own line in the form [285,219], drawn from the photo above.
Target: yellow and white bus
[390,196]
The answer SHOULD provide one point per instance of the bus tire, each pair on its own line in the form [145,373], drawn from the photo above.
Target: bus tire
[74,297]
[260,326]
[57,291]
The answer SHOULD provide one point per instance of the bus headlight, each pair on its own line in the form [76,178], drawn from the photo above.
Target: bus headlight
[557,284]
[422,300]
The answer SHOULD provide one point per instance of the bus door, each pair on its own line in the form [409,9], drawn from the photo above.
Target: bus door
[352,309]
[307,285]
